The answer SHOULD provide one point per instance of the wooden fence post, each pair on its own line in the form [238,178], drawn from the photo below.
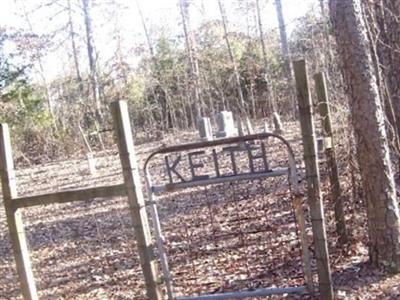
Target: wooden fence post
[14,218]
[324,111]
[301,223]
[136,201]
[313,183]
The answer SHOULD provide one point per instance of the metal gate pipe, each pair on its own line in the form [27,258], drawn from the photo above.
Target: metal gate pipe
[247,294]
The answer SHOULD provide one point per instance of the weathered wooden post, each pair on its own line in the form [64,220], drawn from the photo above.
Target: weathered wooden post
[313,183]
[136,201]
[324,111]
[301,223]
[14,218]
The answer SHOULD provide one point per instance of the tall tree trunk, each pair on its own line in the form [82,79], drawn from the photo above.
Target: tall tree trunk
[270,95]
[388,17]
[241,104]
[191,117]
[194,86]
[146,32]
[159,93]
[74,49]
[393,78]
[385,26]
[119,55]
[286,56]
[384,65]
[252,98]
[328,48]
[91,58]
[41,69]
[371,139]
[182,101]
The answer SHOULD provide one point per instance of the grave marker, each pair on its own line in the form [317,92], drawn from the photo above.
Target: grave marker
[277,123]
[225,123]
[91,163]
[266,127]
[205,129]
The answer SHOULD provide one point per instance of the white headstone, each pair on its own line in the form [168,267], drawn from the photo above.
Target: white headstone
[240,128]
[205,129]
[225,123]
[266,127]
[277,123]
[320,145]
[249,126]
[91,163]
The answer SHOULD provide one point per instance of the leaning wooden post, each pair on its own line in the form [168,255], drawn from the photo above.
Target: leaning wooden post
[301,223]
[136,201]
[313,183]
[324,111]
[14,218]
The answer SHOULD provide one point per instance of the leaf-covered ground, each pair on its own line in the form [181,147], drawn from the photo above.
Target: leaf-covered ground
[219,238]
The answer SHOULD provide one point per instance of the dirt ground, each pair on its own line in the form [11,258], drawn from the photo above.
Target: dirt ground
[219,238]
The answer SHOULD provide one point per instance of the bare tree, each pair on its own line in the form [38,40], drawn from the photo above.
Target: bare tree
[385,22]
[91,57]
[232,59]
[74,48]
[286,54]
[195,89]
[270,94]
[241,102]
[371,138]
[159,94]
[328,48]
[39,61]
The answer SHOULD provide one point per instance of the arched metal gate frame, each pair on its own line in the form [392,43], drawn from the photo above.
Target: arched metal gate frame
[289,171]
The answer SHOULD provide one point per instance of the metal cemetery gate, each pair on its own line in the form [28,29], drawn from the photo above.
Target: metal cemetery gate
[224,164]
[218,168]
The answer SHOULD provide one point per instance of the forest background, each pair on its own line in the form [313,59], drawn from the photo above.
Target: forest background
[63,61]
